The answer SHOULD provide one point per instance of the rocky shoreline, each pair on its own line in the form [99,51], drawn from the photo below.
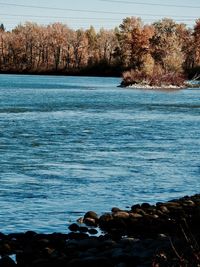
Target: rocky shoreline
[162,87]
[155,87]
[165,234]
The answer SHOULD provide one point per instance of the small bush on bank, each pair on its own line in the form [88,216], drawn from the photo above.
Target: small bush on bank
[157,78]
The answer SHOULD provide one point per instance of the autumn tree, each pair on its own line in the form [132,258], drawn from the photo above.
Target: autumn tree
[3,46]
[80,50]
[56,43]
[134,42]
[162,47]
[16,50]
[196,35]
[186,40]
[166,46]
[106,43]
[93,55]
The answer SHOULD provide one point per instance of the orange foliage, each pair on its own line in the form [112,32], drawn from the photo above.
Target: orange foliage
[56,47]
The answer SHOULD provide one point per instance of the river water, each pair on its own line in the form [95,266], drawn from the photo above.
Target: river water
[73,144]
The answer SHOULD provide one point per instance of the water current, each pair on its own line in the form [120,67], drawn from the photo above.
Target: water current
[73,144]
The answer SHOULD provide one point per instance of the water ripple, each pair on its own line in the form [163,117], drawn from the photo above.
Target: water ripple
[69,144]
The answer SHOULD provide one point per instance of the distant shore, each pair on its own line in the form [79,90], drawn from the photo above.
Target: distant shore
[165,234]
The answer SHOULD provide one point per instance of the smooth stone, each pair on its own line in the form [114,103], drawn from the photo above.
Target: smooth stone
[91,214]
[115,209]
[121,215]
[90,222]
[30,234]
[135,215]
[92,231]
[141,212]
[152,216]
[77,236]
[145,205]
[73,227]
[172,204]
[134,207]
[106,221]
[189,203]
[164,209]
[83,229]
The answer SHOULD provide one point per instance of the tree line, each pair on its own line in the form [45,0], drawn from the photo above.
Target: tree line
[163,46]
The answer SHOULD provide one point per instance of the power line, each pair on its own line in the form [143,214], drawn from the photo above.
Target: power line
[149,4]
[96,11]
[188,18]
[55,17]
[65,9]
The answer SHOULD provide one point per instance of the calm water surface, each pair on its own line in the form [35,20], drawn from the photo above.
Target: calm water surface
[73,144]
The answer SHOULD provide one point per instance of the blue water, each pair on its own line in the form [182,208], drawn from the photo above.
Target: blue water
[73,144]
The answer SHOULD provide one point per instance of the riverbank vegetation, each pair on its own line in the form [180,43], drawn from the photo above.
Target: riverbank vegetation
[164,51]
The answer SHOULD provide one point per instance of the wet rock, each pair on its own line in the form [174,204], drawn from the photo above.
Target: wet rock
[77,236]
[83,229]
[172,204]
[30,234]
[91,214]
[188,203]
[105,221]
[73,227]
[115,209]
[129,238]
[92,231]
[57,240]
[90,222]
[141,212]
[134,207]
[163,209]
[91,218]
[121,215]
[145,205]
[135,215]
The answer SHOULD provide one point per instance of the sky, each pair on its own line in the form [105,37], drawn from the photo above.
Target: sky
[99,13]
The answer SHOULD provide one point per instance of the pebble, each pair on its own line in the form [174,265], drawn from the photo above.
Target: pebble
[136,237]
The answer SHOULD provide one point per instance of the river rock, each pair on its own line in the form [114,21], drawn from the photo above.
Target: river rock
[92,231]
[135,215]
[73,227]
[139,237]
[91,214]
[121,215]
[115,209]
[90,222]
